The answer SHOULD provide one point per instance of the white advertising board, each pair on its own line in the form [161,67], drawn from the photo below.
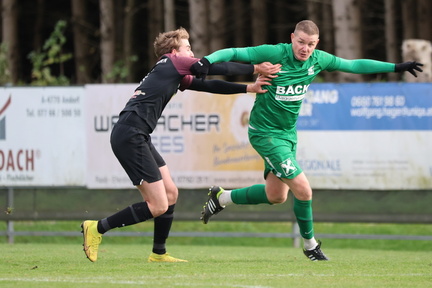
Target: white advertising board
[377,160]
[367,136]
[351,136]
[42,140]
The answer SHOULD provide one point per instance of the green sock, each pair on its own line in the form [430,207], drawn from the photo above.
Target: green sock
[303,213]
[254,194]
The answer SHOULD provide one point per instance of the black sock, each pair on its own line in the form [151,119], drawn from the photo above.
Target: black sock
[133,214]
[162,227]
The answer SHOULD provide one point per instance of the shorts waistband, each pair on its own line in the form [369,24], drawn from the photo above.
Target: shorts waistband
[130,118]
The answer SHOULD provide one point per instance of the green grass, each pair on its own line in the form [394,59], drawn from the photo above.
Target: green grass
[124,265]
[37,261]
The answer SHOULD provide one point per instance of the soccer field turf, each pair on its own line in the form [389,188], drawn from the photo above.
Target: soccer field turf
[119,265]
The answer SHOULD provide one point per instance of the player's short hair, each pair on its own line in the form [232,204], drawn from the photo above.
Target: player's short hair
[167,41]
[308,27]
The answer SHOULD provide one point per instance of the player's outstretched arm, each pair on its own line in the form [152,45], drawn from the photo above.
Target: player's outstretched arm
[201,69]
[225,87]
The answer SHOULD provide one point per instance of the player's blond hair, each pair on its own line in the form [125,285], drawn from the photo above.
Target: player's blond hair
[167,41]
[308,27]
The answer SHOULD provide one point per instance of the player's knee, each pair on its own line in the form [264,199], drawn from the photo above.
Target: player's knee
[277,194]
[277,199]
[158,210]
[172,194]
[304,195]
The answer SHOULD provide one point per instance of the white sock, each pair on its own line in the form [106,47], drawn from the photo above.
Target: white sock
[309,244]
[225,198]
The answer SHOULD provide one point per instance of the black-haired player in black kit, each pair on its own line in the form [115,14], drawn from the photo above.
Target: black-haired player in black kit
[131,141]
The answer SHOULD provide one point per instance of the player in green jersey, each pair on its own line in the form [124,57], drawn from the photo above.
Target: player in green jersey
[272,124]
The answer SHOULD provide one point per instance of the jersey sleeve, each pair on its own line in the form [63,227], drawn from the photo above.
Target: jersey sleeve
[186,82]
[217,86]
[360,66]
[182,64]
[253,55]
[231,68]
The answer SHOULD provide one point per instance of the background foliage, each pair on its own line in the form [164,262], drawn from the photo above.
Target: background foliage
[109,41]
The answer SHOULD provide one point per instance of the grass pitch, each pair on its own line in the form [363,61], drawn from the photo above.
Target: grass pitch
[121,265]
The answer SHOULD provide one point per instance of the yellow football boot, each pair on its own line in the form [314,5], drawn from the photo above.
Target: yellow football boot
[163,258]
[92,239]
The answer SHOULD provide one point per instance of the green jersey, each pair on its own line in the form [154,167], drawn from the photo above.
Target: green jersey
[276,111]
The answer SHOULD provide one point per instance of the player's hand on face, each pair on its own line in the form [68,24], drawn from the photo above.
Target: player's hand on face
[268,69]
[259,82]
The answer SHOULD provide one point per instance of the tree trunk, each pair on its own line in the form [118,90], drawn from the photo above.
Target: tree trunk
[81,42]
[424,21]
[155,25]
[38,40]
[217,31]
[409,19]
[107,36]
[282,29]
[259,22]
[10,37]
[240,14]
[199,28]
[314,12]
[392,48]
[169,15]
[239,22]
[217,25]
[128,39]
[347,34]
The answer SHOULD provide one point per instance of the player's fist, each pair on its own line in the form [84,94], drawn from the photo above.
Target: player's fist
[200,69]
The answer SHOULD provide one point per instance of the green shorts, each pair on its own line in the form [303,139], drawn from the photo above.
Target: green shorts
[279,155]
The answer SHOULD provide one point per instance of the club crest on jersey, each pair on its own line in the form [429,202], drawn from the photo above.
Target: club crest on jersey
[288,167]
[311,71]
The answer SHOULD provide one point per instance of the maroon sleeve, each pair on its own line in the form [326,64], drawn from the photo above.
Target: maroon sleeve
[182,64]
[186,82]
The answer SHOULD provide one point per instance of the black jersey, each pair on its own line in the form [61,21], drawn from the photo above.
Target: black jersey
[170,74]
[155,90]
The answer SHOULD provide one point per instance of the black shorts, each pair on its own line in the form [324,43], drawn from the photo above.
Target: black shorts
[136,153]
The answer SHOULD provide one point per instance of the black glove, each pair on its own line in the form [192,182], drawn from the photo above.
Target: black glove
[409,66]
[201,68]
